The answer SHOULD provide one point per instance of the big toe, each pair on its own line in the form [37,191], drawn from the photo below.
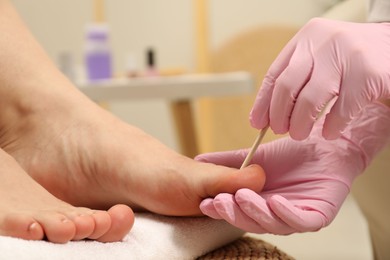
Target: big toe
[251,177]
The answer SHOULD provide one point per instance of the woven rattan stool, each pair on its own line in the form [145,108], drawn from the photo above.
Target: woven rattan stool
[247,248]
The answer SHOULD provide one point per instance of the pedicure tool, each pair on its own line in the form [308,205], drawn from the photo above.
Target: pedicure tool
[256,144]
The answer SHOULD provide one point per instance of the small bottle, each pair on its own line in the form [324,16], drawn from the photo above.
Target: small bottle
[131,66]
[97,52]
[151,68]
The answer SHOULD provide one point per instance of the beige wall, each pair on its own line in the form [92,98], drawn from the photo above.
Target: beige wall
[166,25]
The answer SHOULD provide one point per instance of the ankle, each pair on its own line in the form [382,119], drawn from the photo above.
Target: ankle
[25,109]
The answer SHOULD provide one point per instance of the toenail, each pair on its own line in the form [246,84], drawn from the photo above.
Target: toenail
[32,226]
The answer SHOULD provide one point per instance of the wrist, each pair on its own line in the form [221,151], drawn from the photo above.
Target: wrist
[385,102]
[370,131]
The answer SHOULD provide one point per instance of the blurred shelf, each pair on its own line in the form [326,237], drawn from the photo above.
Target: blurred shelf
[188,86]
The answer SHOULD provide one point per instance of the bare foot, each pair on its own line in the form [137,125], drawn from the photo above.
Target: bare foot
[81,153]
[87,157]
[28,211]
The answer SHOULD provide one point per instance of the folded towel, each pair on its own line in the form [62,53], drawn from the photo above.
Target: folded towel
[152,237]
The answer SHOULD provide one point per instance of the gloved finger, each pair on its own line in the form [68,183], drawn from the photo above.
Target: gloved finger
[288,86]
[259,115]
[228,209]
[231,159]
[302,220]
[314,97]
[256,207]
[207,208]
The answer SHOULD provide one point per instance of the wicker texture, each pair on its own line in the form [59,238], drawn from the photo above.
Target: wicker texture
[247,248]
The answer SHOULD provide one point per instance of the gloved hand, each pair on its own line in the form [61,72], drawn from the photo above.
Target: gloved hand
[306,181]
[325,59]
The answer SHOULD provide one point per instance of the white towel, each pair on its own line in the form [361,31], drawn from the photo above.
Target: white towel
[152,237]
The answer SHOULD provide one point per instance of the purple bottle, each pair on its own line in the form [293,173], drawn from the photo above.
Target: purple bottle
[97,52]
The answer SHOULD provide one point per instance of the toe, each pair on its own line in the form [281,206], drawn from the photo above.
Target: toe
[21,226]
[102,224]
[84,223]
[251,177]
[122,219]
[57,227]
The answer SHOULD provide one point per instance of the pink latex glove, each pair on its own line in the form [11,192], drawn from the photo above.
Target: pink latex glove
[306,181]
[325,59]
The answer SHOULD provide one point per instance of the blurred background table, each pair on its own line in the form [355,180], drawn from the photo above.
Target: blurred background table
[180,91]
